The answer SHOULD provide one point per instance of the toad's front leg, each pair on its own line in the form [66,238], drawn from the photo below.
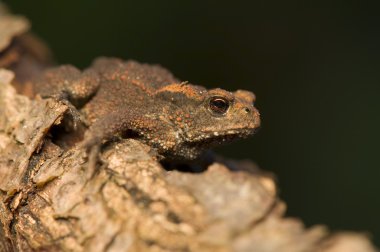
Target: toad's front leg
[141,125]
[113,125]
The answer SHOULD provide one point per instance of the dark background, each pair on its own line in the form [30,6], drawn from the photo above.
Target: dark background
[314,66]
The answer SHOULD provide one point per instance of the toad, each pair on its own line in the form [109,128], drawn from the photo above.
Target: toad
[129,99]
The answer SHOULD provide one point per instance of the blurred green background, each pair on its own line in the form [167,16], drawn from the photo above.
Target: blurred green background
[314,66]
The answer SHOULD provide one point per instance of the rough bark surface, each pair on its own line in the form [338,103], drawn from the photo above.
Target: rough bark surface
[51,199]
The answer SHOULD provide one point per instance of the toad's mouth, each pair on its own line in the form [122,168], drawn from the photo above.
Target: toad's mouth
[209,139]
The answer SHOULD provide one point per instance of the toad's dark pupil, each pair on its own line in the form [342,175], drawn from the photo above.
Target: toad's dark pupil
[219,105]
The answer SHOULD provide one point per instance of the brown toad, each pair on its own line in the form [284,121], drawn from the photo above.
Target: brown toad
[147,102]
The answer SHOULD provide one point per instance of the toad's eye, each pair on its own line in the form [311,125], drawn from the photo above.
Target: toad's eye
[219,105]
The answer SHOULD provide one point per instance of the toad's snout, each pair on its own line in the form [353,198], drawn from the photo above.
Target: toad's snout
[252,116]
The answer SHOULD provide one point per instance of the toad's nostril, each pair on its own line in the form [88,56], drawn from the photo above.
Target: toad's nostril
[247,110]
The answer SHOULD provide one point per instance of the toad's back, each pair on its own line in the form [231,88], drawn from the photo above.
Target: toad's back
[125,86]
